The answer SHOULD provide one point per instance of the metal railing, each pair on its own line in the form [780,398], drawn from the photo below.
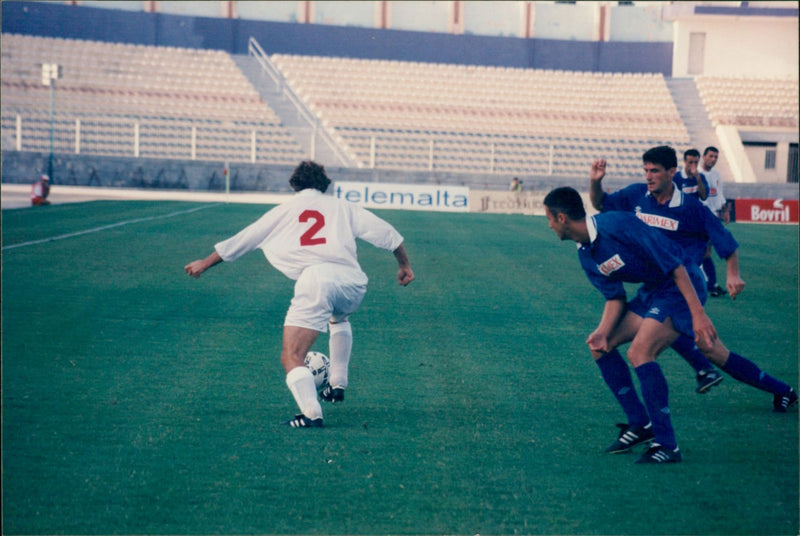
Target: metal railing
[255,50]
[187,139]
[184,139]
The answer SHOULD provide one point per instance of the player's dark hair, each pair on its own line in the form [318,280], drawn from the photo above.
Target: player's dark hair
[565,200]
[691,152]
[663,155]
[710,149]
[309,174]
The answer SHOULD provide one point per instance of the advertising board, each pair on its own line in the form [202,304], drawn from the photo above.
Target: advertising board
[766,210]
[434,197]
[525,202]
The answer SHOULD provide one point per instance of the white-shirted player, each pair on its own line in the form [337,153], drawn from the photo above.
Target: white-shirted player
[312,239]
[716,200]
[717,204]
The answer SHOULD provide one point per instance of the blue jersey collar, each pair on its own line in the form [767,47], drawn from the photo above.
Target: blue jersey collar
[677,196]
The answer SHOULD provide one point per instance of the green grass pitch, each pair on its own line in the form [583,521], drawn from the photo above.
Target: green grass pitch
[137,400]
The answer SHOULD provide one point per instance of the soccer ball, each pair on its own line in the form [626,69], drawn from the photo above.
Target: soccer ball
[318,364]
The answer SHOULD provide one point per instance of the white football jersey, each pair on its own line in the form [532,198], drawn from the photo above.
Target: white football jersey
[715,200]
[311,228]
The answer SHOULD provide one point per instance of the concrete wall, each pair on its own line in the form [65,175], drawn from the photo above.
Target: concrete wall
[231,35]
[549,20]
[742,42]
[79,170]
[642,22]
[740,46]
[757,155]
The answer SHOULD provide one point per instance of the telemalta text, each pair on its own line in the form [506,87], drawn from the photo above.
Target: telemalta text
[404,196]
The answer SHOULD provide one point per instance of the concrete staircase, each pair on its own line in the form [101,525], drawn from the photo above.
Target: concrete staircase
[273,93]
[695,116]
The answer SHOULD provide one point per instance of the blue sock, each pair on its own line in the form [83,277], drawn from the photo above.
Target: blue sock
[748,372]
[711,272]
[656,397]
[617,376]
[688,350]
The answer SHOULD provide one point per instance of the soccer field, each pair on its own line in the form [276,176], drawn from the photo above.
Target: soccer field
[137,400]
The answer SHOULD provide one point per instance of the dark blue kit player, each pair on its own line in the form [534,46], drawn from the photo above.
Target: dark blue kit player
[689,179]
[616,248]
[660,203]
[690,224]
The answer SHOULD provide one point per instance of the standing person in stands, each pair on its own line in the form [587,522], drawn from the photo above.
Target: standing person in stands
[717,204]
[40,190]
[516,185]
[689,179]
[311,239]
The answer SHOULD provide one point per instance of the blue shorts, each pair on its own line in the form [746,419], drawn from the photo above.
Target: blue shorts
[667,301]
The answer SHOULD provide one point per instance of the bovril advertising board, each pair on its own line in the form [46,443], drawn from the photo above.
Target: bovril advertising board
[766,210]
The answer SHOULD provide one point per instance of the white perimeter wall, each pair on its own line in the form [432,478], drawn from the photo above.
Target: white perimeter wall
[739,46]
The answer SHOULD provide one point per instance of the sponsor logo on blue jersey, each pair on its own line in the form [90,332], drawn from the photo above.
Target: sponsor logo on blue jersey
[611,265]
[660,222]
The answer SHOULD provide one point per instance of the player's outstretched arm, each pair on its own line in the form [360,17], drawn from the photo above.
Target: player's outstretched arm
[195,268]
[734,281]
[596,175]
[405,274]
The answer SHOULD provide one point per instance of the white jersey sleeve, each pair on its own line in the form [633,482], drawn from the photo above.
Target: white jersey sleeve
[248,238]
[370,228]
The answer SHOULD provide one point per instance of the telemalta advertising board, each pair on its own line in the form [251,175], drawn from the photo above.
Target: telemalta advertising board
[433,197]
[766,211]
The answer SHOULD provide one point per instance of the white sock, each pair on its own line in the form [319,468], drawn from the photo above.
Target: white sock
[341,345]
[301,383]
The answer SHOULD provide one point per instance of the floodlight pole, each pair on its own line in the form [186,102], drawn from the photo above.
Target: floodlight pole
[50,73]
[52,129]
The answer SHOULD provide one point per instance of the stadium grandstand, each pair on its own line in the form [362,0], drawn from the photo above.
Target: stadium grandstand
[180,102]
[308,87]
[408,115]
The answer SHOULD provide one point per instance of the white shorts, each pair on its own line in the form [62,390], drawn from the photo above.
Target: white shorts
[325,292]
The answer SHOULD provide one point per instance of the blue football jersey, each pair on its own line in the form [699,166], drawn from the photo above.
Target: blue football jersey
[684,219]
[623,249]
[688,185]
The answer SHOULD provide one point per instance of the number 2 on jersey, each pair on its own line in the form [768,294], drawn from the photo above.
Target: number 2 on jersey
[308,238]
